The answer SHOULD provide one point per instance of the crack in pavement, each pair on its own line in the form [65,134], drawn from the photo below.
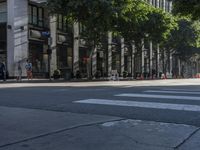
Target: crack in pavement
[57,131]
[147,144]
[186,139]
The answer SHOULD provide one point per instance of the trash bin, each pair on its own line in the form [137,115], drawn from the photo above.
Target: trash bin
[66,73]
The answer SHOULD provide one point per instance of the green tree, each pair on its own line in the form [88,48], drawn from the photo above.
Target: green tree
[141,19]
[159,25]
[184,39]
[131,23]
[187,7]
[96,16]
[196,26]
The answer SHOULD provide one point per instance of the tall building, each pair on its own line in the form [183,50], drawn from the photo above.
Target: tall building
[166,5]
[27,32]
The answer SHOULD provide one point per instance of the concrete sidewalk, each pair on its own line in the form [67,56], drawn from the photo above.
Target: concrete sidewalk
[46,80]
[35,80]
[32,129]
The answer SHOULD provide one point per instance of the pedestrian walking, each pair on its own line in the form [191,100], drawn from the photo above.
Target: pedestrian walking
[19,69]
[2,71]
[28,67]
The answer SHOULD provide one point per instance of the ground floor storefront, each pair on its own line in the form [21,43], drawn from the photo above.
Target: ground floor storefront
[100,63]
[39,58]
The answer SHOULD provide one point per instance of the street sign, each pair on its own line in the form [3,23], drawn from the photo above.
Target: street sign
[46,33]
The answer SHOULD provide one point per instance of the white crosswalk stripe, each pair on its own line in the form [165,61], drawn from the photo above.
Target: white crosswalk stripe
[159,96]
[186,90]
[141,104]
[171,92]
[153,94]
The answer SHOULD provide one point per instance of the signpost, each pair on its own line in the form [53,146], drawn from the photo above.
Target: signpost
[49,50]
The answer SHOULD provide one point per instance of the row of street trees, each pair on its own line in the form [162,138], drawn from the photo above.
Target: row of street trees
[133,20]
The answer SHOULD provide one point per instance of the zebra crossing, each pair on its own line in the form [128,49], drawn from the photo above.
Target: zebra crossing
[183,100]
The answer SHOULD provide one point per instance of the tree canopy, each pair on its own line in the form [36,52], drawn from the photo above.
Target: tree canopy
[97,16]
[184,39]
[187,7]
[132,19]
[140,20]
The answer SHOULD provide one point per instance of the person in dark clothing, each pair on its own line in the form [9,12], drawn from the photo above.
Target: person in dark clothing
[2,71]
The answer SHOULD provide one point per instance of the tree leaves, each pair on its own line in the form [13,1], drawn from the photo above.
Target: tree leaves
[187,7]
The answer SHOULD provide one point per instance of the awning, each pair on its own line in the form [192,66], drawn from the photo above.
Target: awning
[35,34]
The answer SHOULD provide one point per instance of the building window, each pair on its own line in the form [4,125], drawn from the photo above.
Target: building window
[40,17]
[62,23]
[3,12]
[36,15]
[82,28]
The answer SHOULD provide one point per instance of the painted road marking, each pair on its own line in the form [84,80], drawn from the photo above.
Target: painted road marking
[179,107]
[159,96]
[171,92]
[186,90]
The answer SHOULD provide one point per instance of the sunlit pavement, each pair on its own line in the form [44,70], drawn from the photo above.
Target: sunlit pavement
[167,82]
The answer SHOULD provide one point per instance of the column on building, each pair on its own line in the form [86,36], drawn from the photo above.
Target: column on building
[122,56]
[17,35]
[128,59]
[109,54]
[150,58]
[164,5]
[158,60]
[129,64]
[53,27]
[76,48]
[165,61]
[142,56]
[170,6]
[133,59]
[171,62]
[179,66]
[157,3]
[150,2]
[94,61]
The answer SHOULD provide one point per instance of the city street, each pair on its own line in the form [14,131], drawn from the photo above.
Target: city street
[106,115]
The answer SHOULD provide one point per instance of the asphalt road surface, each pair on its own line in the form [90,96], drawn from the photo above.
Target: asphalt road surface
[171,102]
